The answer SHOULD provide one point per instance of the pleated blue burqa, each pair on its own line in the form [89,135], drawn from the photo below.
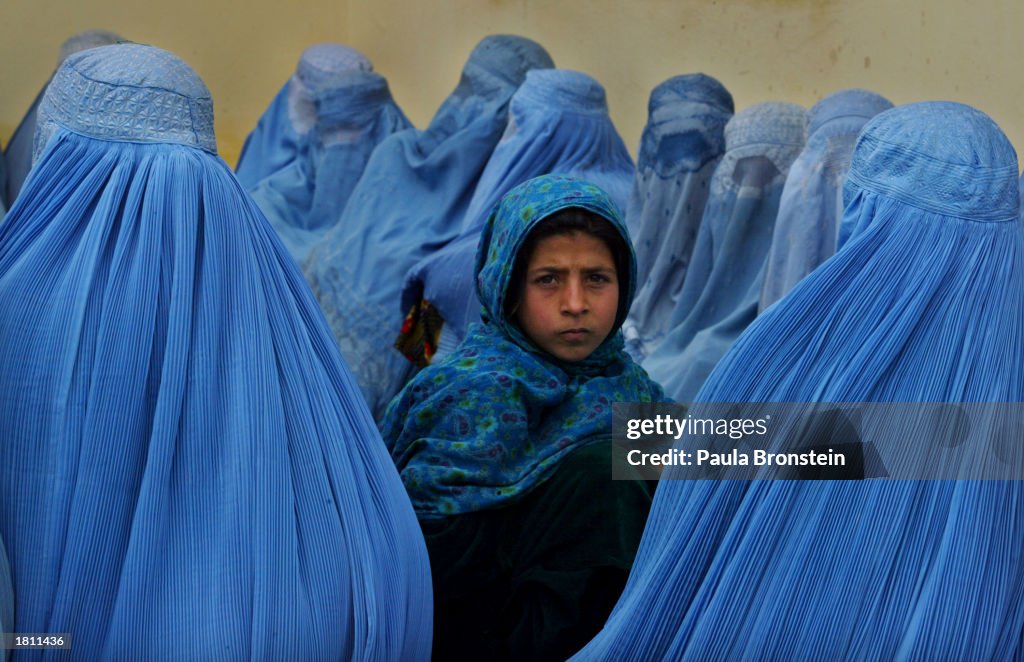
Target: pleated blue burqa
[187,464]
[906,312]
[303,200]
[6,597]
[679,150]
[812,202]
[282,133]
[410,201]
[558,124]
[1020,188]
[720,293]
[18,152]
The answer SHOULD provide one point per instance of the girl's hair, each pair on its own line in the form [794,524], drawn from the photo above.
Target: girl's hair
[570,221]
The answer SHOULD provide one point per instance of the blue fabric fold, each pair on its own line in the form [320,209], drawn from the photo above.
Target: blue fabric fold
[187,465]
[6,597]
[410,201]
[558,124]
[904,313]
[282,132]
[679,150]
[811,206]
[720,293]
[304,199]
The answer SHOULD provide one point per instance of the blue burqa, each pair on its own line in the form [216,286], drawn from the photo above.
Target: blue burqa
[679,151]
[411,200]
[303,200]
[812,201]
[187,468]
[720,294]
[558,124]
[283,131]
[906,312]
[18,152]
[6,597]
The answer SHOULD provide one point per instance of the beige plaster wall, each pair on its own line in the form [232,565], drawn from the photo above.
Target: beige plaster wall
[794,50]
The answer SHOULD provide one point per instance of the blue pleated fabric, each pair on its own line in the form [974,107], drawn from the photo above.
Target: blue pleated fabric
[187,464]
[18,152]
[558,124]
[904,313]
[1020,188]
[679,150]
[6,597]
[720,293]
[282,133]
[812,202]
[304,199]
[411,200]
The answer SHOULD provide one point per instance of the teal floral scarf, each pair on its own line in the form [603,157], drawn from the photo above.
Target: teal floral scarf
[491,421]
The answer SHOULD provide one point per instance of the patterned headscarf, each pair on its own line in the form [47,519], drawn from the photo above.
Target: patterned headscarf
[491,421]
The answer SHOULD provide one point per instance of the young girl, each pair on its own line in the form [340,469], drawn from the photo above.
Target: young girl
[504,446]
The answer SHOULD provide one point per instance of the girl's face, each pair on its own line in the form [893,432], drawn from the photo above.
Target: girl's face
[571,295]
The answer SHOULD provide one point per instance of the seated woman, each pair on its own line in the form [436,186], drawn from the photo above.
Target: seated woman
[504,444]
[187,469]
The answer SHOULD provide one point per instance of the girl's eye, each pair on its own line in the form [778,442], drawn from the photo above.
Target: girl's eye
[599,278]
[546,279]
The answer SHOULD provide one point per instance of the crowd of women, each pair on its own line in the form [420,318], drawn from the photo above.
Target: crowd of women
[352,399]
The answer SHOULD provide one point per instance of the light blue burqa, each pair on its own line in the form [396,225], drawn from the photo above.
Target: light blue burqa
[303,200]
[411,200]
[187,465]
[281,136]
[558,124]
[905,312]
[723,283]
[812,202]
[18,152]
[679,151]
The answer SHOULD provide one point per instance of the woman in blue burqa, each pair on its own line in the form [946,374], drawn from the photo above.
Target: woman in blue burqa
[410,201]
[811,205]
[188,470]
[504,444]
[722,286]
[282,134]
[922,305]
[679,151]
[558,124]
[303,200]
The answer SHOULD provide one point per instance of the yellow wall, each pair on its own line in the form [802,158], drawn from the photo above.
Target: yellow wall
[243,49]
[794,50]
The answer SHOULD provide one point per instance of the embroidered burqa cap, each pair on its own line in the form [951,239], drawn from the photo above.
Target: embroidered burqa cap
[18,152]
